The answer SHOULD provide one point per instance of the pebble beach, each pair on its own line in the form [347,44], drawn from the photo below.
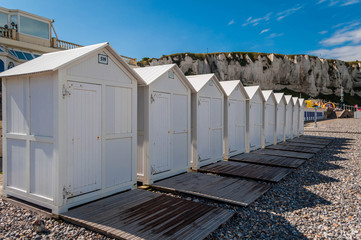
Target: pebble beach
[319,200]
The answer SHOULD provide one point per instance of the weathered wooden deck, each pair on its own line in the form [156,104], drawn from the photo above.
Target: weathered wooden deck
[225,189]
[294,148]
[140,214]
[278,161]
[311,141]
[247,170]
[284,153]
[300,144]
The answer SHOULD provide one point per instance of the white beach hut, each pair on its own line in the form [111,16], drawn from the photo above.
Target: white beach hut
[69,132]
[301,116]
[207,120]
[270,116]
[296,117]
[164,123]
[235,117]
[281,116]
[255,117]
[289,117]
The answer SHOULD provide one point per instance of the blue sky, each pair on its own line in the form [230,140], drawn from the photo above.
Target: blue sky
[135,28]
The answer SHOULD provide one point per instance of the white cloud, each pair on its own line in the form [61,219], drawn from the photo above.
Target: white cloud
[345,53]
[341,3]
[264,30]
[231,22]
[285,13]
[274,35]
[348,34]
[323,32]
[256,21]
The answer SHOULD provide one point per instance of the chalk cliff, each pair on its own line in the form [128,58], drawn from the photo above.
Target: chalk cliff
[300,73]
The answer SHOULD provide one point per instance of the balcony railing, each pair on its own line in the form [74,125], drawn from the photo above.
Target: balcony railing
[7,33]
[56,43]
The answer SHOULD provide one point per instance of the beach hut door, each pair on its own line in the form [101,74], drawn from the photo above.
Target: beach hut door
[84,138]
[161,130]
[204,129]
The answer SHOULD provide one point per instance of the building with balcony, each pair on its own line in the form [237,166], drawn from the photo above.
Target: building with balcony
[25,36]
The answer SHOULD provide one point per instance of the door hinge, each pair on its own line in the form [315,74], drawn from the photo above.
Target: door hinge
[66,192]
[199,102]
[151,98]
[66,91]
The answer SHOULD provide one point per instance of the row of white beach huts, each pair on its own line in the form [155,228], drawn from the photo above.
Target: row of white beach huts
[81,124]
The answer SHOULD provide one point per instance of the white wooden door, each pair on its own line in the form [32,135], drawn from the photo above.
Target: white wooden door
[84,137]
[161,131]
[270,123]
[204,129]
[232,135]
[280,122]
[236,128]
[255,125]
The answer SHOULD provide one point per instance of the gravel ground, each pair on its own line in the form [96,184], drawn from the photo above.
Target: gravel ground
[320,200]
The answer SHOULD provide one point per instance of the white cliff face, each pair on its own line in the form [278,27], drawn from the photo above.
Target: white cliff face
[300,73]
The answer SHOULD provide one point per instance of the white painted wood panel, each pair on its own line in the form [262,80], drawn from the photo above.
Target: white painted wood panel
[41,105]
[296,119]
[16,165]
[289,121]
[255,131]
[41,169]
[180,143]
[118,110]
[17,105]
[118,161]
[161,132]
[204,129]
[216,127]
[270,115]
[281,111]
[84,137]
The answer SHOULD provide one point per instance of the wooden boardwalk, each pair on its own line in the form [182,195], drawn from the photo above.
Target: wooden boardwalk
[283,153]
[278,161]
[294,148]
[225,189]
[300,144]
[247,170]
[140,214]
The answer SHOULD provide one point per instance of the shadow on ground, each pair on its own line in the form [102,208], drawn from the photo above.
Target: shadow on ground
[264,218]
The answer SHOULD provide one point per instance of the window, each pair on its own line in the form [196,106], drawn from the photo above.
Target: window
[28,56]
[20,55]
[2,67]
[12,52]
[34,27]
[3,19]
[11,65]
[36,55]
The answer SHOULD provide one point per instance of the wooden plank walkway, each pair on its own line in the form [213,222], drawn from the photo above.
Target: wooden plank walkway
[294,148]
[140,214]
[224,189]
[247,170]
[299,144]
[307,141]
[284,153]
[278,161]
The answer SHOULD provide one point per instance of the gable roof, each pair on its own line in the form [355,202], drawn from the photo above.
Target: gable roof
[55,60]
[280,97]
[152,73]
[198,81]
[295,101]
[267,94]
[288,99]
[229,86]
[301,101]
[252,90]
